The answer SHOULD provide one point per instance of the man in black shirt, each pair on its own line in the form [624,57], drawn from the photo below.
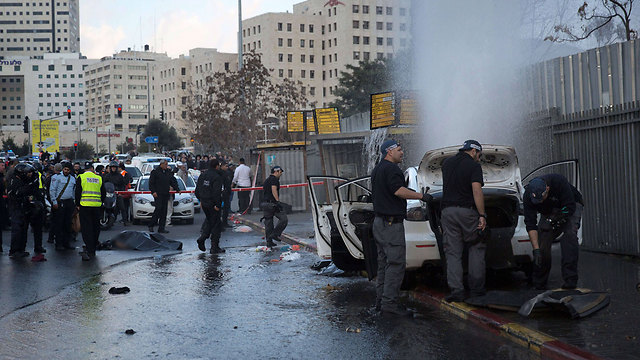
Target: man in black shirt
[462,216]
[271,207]
[209,191]
[390,206]
[560,205]
[160,181]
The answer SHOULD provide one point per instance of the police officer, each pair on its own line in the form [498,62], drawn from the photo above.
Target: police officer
[160,182]
[271,207]
[390,206]
[463,214]
[209,191]
[227,177]
[560,205]
[119,183]
[25,203]
[89,196]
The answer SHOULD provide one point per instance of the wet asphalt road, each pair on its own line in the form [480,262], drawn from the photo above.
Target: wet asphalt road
[192,305]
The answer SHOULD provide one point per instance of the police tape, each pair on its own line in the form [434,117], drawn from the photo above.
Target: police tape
[234,189]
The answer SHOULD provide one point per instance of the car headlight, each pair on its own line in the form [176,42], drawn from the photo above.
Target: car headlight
[141,200]
[186,200]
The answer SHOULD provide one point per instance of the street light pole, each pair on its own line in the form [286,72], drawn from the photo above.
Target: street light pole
[239,34]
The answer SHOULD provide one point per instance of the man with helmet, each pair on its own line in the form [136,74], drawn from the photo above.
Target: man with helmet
[25,203]
[62,195]
[89,196]
[113,176]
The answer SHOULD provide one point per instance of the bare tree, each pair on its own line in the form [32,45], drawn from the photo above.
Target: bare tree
[599,20]
[228,108]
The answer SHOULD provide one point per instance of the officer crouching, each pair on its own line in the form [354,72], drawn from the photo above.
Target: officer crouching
[26,204]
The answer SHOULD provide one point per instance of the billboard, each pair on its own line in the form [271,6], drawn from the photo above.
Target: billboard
[49,137]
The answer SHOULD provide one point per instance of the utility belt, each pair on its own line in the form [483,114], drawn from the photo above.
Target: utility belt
[472,207]
[392,219]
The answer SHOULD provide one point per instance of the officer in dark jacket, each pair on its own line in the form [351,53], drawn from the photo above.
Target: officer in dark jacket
[227,176]
[271,207]
[120,184]
[390,206]
[560,205]
[3,205]
[160,182]
[209,191]
[25,203]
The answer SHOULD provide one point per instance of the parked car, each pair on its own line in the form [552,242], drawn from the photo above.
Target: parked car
[149,166]
[119,157]
[143,205]
[191,186]
[135,174]
[343,212]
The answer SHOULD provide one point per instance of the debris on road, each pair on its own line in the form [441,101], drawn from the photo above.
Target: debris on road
[290,256]
[130,332]
[353,330]
[119,290]
[242,229]
[140,240]
[330,287]
[261,248]
[38,258]
[331,270]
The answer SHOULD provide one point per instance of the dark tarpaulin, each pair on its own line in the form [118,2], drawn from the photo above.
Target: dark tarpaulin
[140,240]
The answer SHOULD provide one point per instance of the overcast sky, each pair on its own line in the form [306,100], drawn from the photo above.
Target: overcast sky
[172,26]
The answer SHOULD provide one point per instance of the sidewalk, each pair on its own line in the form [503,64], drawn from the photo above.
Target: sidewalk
[610,333]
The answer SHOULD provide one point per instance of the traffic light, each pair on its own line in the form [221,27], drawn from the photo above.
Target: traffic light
[75,146]
[120,111]
[161,114]
[68,113]
[139,130]
[25,125]
[192,140]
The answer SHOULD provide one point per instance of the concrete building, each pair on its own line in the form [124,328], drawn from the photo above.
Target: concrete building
[315,42]
[42,89]
[175,81]
[33,28]
[122,79]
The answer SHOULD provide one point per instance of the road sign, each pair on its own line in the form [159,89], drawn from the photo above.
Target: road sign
[408,109]
[327,120]
[151,139]
[383,111]
[295,121]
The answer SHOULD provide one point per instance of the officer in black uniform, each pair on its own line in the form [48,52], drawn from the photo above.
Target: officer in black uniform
[24,203]
[227,176]
[560,205]
[119,183]
[390,206]
[209,191]
[271,207]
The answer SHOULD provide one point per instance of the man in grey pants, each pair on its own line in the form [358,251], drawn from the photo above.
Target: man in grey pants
[390,206]
[463,214]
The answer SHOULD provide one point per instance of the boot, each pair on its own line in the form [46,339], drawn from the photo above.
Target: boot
[215,247]
[201,245]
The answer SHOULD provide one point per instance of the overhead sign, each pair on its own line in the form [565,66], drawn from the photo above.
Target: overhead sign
[408,109]
[295,121]
[383,110]
[48,139]
[327,120]
[151,139]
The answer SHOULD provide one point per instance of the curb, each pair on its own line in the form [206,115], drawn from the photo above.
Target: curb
[544,345]
[287,238]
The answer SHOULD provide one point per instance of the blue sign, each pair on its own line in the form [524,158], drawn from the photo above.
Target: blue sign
[151,139]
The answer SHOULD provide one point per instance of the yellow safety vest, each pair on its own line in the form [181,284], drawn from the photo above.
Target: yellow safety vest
[91,184]
[41,186]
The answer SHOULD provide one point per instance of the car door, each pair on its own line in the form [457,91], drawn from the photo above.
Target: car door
[567,168]
[354,208]
[322,194]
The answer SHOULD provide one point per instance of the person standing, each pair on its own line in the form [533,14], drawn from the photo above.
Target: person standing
[4,215]
[271,207]
[62,195]
[227,178]
[23,198]
[560,205]
[119,184]
[128,179]
[89,196]
[160,182]
[463,214]
[57,169]
[242,179]
[209,191]
[390,207]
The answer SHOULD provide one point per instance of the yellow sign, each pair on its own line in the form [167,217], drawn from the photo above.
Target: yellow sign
[328,120]
[383,111]
[48,139]
[295,121]
[408,110]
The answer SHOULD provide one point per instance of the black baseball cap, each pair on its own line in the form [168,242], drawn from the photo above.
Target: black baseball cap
[537,187]
[471,144]
[276,168]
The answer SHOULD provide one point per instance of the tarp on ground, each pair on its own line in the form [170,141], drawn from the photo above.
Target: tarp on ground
[140,240]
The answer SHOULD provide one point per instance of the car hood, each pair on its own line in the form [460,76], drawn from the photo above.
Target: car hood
[150,197]
[500,168]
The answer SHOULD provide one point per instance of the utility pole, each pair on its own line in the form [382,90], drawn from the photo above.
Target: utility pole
[239,34]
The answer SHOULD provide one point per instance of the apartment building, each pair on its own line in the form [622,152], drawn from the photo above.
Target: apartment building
[32,28]
[42,89]
[122,79]
[315,42]
[175,81]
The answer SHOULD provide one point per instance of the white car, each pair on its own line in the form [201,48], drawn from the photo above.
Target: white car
[119,158]
[191,186]
[343,212]
[143,205]
[148,167]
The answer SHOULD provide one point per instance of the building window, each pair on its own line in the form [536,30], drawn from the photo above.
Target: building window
[290,73]
[356,9]
[301,43]
[365,40]
[303,74]
[312,91]
[280,73]
[312,74]
[280,57]
[183,71]
[279,26]
[289,57]
[365,56]
[389,26]
[69,67]
[356,55]
[380,56]
[311,28]
[311,44]
[356,40]
[365,25]
[280,42]
[52,67]
[389,41]
[403,27]
[356,24]
[289,42]
[379,25]
[301,27]
[302,58]
[311,58]
[380,41]
[289,27]
[378,10]
[34,68]
[365,9]
[403,11]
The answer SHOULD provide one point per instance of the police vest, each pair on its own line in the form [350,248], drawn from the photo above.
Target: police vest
[124,173]
[91,184]
[40,182]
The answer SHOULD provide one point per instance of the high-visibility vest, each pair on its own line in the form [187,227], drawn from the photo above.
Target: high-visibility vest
[40,182]
[91,184]
[123,173]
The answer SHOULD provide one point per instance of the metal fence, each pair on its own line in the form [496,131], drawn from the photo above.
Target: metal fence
[292,160]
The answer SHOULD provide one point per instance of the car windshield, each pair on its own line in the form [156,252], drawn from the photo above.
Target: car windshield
[190,182]
[144,185]
[133,171]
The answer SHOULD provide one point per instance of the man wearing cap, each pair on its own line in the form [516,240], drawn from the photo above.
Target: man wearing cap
[390,206]
[271,207]
[90,194]
[560,205]
[463,215]
[62,196]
